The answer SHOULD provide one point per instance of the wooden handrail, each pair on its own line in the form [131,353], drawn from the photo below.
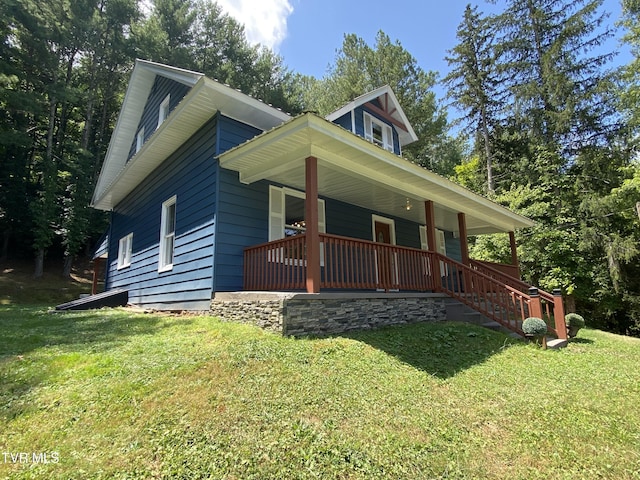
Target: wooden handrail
[354,264]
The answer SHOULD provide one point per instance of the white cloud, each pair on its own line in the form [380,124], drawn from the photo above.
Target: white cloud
[265,21]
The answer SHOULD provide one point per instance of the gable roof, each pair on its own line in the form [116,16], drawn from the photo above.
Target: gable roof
[391,110]
[118,177]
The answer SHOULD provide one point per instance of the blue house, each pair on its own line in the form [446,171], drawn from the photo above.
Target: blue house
[213,193]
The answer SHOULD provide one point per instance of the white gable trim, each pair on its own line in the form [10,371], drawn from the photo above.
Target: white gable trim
[406,137]
[119,177]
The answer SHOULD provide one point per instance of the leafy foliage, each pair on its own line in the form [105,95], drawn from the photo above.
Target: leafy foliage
[534,326]
[574,320]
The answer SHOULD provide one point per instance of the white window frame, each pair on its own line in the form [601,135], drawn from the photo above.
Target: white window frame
[125,250]
[278,215]
[167,238]
[163,111]
[441,242]
[386,132]
[139,139]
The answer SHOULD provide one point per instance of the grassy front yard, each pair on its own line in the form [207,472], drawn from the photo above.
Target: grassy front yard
[115,394]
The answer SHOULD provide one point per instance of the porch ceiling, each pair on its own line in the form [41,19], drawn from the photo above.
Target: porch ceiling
[355,171]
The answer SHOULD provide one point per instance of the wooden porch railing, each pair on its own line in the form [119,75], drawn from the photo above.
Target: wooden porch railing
[551,308]
[352,264]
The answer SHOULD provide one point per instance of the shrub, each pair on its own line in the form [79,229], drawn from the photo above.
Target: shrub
[534,326]
[574,320]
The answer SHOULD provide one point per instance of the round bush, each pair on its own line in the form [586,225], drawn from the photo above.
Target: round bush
[534,326]
[574,320]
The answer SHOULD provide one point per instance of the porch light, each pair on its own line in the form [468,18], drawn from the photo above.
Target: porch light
[408,205]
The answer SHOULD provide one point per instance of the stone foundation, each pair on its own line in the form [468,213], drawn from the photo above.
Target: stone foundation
[300,314]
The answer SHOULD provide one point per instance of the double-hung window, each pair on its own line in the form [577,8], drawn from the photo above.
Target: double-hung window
[167,235]
[163,113]
[287,219]
[125,248]
[378,132]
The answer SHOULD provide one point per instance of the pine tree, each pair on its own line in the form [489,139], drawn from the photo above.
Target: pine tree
[473,83]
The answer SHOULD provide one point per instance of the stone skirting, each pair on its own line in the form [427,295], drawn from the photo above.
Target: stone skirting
[300,314]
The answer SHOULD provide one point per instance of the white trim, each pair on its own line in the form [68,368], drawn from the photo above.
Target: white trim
[340,152]
[278,215]
[163,111]
[404,137]
[389,221]
[140,139]
[118,176]
[167,242]
[353,121]
[392,232]
[424,243]
[125,250]
[386,132]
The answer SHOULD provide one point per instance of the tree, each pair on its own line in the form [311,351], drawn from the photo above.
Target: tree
[473,83]
[630,95]
[555,83]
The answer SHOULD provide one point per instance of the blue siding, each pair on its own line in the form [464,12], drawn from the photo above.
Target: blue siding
[243,211]
[243,217]
[352,221]
[190,174]
[345,122]
[161,87]
[232,133]
[453,246]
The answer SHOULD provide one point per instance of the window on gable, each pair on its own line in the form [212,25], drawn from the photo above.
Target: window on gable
[140,140]
[167,235]
[163,113]
[378,132]
[125,248]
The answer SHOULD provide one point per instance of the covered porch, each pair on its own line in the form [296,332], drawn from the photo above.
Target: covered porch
[324,160]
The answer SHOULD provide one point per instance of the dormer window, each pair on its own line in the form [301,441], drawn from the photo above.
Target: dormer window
[377,132]
[164,110]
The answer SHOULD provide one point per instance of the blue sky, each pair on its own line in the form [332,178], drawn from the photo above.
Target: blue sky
[307,33]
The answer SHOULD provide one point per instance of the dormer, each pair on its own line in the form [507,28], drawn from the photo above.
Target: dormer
[378,117]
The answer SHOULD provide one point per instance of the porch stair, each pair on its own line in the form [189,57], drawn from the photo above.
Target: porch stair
[459,312]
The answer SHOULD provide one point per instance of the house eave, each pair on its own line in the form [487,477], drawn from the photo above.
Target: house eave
[360,173]
[207,97]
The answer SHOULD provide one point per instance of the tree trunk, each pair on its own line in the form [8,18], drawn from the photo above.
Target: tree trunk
[39,271]
[68,264]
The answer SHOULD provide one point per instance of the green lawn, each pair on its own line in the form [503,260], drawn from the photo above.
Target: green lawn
[115,394]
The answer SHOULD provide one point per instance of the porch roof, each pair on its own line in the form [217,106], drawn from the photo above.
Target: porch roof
[355,171]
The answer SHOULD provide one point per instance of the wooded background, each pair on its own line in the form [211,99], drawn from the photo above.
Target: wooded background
[545,124]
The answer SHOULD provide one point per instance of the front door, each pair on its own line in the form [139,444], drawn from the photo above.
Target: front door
[386,261]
